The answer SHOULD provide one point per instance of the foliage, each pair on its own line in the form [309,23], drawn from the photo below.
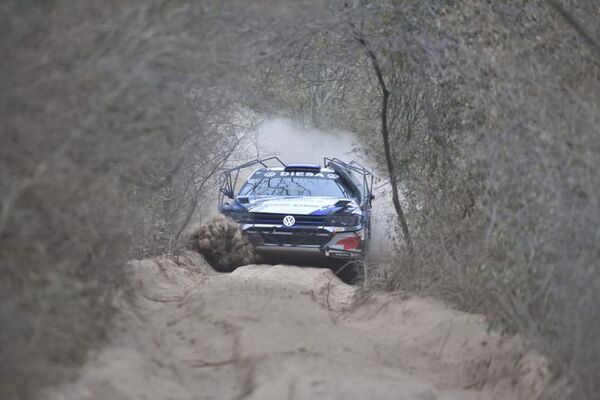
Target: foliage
[493,126]
[112,131]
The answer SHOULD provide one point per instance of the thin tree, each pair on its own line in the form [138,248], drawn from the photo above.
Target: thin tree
[385,134]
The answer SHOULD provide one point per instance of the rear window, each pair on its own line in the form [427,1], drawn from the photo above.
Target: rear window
[279,183]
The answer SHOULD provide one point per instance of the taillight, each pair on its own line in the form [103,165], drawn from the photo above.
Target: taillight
[349,242]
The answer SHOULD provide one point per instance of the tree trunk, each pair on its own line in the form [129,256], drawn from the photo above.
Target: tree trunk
[390,167]
[386,138]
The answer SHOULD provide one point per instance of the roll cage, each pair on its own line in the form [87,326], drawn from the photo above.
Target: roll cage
[361,183]
[229,177]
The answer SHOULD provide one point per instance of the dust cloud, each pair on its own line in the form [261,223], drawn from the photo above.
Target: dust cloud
[296,144]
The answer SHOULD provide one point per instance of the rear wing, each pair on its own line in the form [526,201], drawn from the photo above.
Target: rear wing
[357,175]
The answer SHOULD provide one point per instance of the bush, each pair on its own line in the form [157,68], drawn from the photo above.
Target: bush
[492,120]
[222,244]
[102,154]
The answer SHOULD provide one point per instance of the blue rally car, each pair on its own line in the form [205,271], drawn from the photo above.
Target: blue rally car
[301,207]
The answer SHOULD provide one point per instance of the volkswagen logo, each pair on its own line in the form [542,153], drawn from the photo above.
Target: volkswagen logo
[289,221]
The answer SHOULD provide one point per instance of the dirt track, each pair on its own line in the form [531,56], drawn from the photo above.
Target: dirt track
[282,332]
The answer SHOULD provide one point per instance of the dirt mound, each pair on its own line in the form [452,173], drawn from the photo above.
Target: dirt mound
[166,279]
[222,244]
[320,284]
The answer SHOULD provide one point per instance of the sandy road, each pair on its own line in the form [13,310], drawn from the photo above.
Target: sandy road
[282,332]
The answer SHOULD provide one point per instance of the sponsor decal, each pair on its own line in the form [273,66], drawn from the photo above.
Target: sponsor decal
[283,174]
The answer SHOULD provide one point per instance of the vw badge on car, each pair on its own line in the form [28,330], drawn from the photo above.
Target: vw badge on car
[289,220]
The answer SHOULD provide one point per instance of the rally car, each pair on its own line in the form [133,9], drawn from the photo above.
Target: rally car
[301,207]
